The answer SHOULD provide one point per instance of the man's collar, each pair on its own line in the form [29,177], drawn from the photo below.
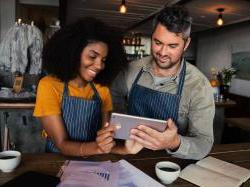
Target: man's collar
[148,64]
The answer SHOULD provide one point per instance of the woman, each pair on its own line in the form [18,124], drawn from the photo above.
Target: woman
[73,100]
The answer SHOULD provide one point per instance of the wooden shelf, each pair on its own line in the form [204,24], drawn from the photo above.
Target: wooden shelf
[17,105]
[226,104]
[133,45]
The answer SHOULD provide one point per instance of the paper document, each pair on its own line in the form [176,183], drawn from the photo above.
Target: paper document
[130,176]
[82,173]
[214,172]
[104,174]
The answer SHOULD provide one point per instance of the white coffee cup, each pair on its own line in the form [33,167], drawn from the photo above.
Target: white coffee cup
[9,160]
[167,171]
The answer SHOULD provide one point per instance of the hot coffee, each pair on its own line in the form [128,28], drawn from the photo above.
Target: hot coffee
[7,157]
[168,169]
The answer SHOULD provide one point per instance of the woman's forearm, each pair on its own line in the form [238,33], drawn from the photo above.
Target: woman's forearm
[71,148]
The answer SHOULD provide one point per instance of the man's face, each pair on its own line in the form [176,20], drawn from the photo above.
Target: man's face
[167,47]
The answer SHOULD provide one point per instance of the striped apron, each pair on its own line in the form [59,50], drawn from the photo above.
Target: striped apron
[151,103]
[81,117]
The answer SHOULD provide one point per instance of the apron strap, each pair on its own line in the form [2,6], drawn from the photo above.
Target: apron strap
[137,77]
[182,79]
[66,89]
[96,94]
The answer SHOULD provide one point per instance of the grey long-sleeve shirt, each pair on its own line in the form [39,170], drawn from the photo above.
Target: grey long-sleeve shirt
[196,110]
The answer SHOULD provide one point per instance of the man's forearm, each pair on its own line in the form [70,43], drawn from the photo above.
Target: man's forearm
[193,147]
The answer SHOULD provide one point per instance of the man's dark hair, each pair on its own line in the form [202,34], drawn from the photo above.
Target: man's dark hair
[176,19]
[62,53]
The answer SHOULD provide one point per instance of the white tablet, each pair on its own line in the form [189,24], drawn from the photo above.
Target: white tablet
[127,122]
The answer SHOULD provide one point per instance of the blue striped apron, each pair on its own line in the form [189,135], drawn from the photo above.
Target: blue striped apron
[151,103]
[81,117]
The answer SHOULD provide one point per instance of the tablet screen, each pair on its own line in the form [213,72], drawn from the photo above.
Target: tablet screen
[127,122]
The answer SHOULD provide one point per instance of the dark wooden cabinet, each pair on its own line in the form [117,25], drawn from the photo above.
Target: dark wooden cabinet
[24,129]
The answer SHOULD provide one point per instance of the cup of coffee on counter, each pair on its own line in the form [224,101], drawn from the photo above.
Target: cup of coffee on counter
[167,171]
[9,160]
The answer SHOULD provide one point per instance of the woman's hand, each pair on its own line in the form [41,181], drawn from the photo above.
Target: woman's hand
[104,139]
[132,147]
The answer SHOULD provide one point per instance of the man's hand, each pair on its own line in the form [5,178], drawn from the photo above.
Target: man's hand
[152,139]
[104,139]
[132,147]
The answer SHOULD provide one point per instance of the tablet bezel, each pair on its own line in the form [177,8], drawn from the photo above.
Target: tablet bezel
[128,122]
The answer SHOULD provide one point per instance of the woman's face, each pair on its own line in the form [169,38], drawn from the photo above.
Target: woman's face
[93,58]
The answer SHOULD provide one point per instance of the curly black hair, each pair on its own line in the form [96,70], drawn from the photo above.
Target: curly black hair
[176,19]
[62,53]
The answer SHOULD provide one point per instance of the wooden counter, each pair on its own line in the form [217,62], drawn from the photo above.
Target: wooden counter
[46,163]
[5,106]
[12,108]
[242,123]
[219,118]
[225,104]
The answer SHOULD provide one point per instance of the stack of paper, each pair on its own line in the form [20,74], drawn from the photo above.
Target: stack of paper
[105,174]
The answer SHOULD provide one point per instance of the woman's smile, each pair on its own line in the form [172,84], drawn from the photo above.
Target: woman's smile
[93,60]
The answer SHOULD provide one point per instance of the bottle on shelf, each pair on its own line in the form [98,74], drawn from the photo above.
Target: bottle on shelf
[215,83]
[18,82]
[124,41]
[139,40]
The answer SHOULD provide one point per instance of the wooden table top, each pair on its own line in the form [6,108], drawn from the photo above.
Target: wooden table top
[48,163]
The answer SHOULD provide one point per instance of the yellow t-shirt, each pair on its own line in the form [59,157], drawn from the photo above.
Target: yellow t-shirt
[50,91]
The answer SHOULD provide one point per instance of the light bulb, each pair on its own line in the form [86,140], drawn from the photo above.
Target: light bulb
[220,21]
[123,9]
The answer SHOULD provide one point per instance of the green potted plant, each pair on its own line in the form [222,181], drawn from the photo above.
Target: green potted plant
[225,78]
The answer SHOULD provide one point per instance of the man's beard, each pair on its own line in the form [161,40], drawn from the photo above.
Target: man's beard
[166,65]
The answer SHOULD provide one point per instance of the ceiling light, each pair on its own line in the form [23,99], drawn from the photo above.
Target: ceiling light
[220,20]
[123,8]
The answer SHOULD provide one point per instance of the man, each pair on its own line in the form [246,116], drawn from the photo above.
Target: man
[165,86]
